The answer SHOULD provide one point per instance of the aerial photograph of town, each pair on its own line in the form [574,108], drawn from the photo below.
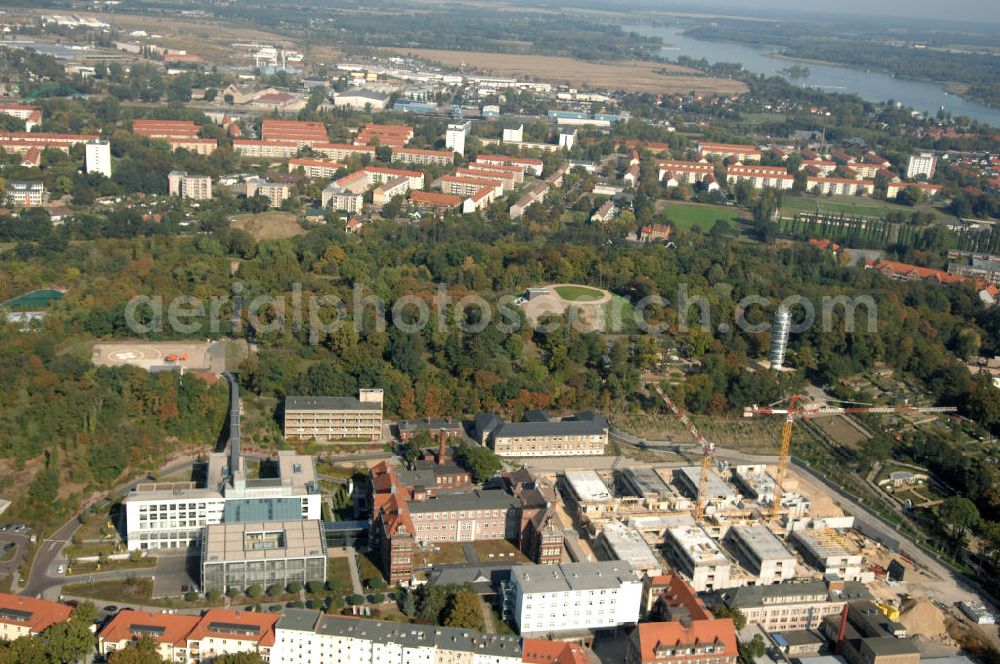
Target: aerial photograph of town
[499,332]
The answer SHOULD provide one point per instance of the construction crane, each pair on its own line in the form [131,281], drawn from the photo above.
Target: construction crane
[795,412]
[707,449]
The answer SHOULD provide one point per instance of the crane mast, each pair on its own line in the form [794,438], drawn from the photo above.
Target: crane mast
[795,412]
[707,448]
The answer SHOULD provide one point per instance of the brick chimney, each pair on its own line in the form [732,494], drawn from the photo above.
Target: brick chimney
[441,450]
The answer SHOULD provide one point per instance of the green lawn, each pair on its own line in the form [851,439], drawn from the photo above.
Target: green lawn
[849,205]
[622,309]
[138,591]
[686,216]
[579,293]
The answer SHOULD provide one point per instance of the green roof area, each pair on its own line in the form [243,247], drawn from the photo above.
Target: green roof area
[37,299]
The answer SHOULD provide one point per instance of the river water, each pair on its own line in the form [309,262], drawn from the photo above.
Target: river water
[873,86]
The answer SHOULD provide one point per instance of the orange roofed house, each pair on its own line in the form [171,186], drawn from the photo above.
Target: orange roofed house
[168,632]
[683,642]
[541,651]
[27,616]
[226,632]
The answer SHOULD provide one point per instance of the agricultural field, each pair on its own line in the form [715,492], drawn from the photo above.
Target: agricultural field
[635,76]
[685,216]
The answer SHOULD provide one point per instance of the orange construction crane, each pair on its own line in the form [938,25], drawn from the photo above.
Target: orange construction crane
[795,412]
[707,448]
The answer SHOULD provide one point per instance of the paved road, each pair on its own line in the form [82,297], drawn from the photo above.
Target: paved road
[11,564]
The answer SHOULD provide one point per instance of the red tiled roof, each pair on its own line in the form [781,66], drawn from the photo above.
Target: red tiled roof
[676,634]
[917,271]
[176,627]
[263,621]
[541,651]
[43,613]
[435,198]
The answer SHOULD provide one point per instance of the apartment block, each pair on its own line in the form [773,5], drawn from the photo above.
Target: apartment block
[60,141]
[761,553]
[921,165]
[342,151]
[455,136]
[327,419]
[26,193]
[303,133]
[423,157]
[508,178]
[684,172]
[311,637]
[394,136]
[729,150]
[276,192]
[335,197]
[28,616]
[760,176]
[266,149]
[893,189]
[696,555]
[168,632]
[574,597]
[32,115]
[202,146]
[165,128]
[467,186]
[195,187]
[585,433]
[840,186]
[526,164]
[98,158]
[433,200]
[384,193]
[315,168]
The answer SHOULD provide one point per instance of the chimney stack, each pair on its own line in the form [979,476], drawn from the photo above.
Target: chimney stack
[843,630]
[441,450]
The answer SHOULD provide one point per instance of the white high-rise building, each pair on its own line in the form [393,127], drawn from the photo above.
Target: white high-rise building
[922,164]
[99,157]
[779,337]
[454,138]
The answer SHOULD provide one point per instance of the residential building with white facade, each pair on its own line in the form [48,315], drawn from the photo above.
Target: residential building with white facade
[574,597]
[310,637]
[276,192]
[840,186]
[195,187]
[791,606]
[25,193]
[454,138]
[335,197]
[98,157]
[921,165]
[761,176]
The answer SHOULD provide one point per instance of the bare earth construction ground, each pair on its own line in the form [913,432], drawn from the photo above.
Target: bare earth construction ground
[631,76]
[207,355]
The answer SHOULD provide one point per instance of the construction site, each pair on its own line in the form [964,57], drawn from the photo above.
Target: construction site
[724,526]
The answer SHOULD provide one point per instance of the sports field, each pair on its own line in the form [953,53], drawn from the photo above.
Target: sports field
[686,216]
[849,205]
[579,293]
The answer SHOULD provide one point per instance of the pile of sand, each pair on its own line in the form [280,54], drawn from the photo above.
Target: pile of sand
[919,616]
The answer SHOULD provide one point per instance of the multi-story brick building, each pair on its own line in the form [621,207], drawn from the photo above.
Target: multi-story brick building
[407,515]
[711,641]
[328,419]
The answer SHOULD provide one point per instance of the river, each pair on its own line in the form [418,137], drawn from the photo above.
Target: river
[873,86]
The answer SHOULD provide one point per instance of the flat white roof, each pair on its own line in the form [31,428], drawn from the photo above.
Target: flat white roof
[762,542]
[697,545]
[588,486]
[627,544]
